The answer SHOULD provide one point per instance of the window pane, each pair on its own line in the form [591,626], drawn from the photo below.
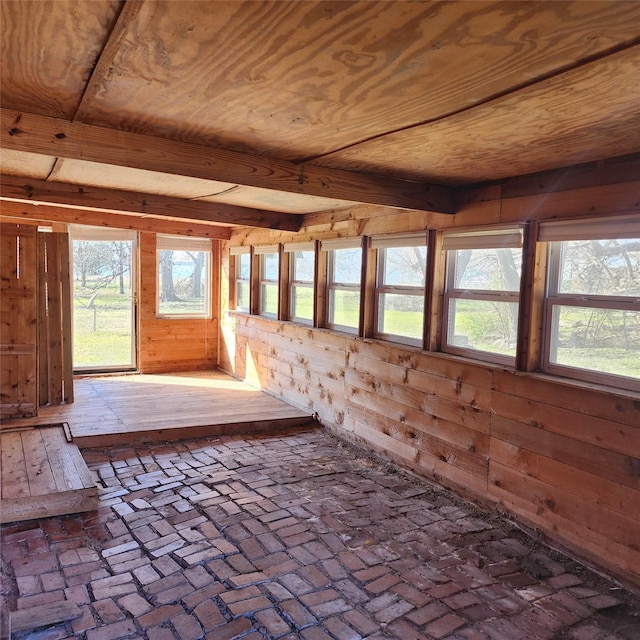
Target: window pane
[183,280]
[269,298]
[488,269]
[242,295]
[404,266]
[303,265]
[605,340]
[601,267]
[483,325]
[347,264]
[243,266]
[270,266]
[302,302]
[401,315]
[344,308]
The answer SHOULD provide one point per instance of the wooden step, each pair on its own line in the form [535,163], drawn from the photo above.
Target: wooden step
[43,475]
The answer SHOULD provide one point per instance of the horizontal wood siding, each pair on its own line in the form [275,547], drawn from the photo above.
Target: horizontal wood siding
[563,457]
[170,344]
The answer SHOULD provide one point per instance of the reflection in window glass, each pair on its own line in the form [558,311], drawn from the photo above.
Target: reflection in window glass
[301,286]
[269,265]
[183,283]
[345,266]
[488,269]
[400,293]
[601,267]
[593,310]
[243,272]
[482,296]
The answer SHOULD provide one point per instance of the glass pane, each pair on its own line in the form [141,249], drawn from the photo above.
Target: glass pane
[302,302]
[269,266]
[483,325]
[347,264]
[269,298]
[344,308]
[183,283]
[303,266]
[102,304]
[605,340]
[401,315]
[404,266]
[242,295]
[488,269]
[243,266]
[601,267]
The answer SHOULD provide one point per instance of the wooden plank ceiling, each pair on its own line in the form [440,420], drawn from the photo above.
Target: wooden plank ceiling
[254,113]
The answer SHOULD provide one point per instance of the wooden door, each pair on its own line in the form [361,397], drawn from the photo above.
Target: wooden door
[18,321]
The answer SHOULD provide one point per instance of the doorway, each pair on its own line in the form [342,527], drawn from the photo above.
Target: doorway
[104,299]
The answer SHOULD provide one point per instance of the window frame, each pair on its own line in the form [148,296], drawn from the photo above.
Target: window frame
[381,245]
[238,253]
[262,281]
[556,234]
[186,243]
[332,286]
[478,239]
[294,283]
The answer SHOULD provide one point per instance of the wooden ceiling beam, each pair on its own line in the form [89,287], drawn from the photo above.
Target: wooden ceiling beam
[25,190]
[55,137]
[29,213]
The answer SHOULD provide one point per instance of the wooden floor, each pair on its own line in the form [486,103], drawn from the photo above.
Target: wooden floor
[128,409]
[42,475]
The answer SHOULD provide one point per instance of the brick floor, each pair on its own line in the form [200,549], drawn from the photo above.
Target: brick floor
[295,536]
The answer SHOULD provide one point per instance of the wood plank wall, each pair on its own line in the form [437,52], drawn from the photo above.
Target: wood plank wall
[55,356]
[171,344]
[18,318]
[562,457]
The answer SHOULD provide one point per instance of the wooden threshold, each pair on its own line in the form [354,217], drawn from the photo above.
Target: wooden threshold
[43,475]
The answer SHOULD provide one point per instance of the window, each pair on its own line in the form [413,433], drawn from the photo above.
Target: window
[400,288]
[242,277]
[344,270]
[268,270]
[301,281]
[184,277]
[592,317]
[482,293]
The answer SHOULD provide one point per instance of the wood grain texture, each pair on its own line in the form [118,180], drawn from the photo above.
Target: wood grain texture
[43,475]
[18,319]
[170,344]
[48,51]
[560,456]
[19,189]
[316,76]
[578,116]
[38,134]
[33,213]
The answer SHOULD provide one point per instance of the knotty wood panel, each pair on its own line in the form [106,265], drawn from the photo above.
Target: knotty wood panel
[560,456]
[55,358]
[171,344]
[315,76]
[48,52]
[18,321]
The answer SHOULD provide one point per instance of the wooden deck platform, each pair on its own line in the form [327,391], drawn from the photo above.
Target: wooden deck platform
[43,474]
[131,409]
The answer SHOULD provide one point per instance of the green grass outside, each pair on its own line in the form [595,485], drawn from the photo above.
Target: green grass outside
[102,333]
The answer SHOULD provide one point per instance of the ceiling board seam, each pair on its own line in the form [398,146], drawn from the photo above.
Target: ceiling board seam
[128,12]
[497,96]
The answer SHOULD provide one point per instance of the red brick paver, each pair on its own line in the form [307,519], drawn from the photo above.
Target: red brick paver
[295,536]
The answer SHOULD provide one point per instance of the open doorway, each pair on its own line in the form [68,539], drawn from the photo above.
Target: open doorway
[104,299]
